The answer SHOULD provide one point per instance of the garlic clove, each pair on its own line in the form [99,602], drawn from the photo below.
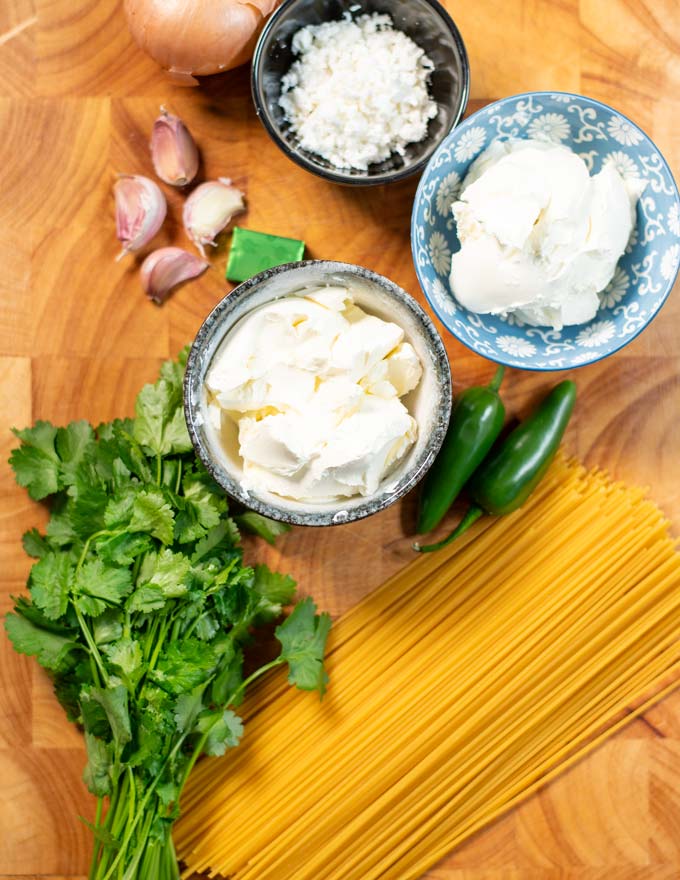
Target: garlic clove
[140,211]
[166,268]
[173,150]
[209,209]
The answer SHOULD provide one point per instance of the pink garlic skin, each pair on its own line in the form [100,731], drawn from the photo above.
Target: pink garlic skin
[173,150]
[167,267]
[209,209]
[140,211]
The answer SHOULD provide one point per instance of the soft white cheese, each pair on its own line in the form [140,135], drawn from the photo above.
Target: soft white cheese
[540,237]
[313,384]
[358,91]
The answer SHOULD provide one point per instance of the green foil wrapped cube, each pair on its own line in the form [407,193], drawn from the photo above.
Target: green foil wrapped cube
[252,252]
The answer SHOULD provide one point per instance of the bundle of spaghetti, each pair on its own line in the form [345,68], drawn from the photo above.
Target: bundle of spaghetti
[459,687]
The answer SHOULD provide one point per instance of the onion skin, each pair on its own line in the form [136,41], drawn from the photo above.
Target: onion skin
[197,37]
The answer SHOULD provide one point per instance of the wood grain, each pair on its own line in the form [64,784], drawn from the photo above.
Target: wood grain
[78,339]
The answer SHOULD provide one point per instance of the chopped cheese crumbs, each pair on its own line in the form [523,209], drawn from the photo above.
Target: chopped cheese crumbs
[358,91]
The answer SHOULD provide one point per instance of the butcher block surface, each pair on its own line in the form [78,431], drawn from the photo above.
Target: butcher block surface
[78,339]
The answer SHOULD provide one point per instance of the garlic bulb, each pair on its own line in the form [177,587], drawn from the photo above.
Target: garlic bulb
[173,150]
[209,208]
[140,211]
[166,268]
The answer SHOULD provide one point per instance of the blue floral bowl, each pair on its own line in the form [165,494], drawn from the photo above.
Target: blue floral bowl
[644,275]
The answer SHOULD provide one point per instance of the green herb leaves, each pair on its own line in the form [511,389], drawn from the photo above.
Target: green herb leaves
[141,609]
[159,423]
[303,640]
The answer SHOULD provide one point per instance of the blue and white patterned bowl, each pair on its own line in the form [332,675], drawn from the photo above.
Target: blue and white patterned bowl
[644,276]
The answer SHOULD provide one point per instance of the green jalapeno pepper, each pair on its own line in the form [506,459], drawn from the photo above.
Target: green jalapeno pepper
[476,422]
[505,479]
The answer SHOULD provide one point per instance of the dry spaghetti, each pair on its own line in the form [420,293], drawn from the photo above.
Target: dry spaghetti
[459,687]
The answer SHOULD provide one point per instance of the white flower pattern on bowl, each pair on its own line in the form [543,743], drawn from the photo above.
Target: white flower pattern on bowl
[596,334]
[440,253]
[669,262]
[443,297]
[470,144]
[623,131]
[643,276]
[549,127]
[673,219]
[615,291]
[516,346]
[623,164]
[447,193]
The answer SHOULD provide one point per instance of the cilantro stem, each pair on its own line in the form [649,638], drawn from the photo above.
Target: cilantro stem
[97,841]
[195,755]
[160,640]
[93,537]
[278,661]
[178,481]
[159,468]
[84,628]
[140,812]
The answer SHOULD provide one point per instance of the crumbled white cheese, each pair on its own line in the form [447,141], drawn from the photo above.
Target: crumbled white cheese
[358,91]
[313,384]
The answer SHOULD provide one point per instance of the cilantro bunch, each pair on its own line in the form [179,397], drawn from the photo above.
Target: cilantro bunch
[141,608]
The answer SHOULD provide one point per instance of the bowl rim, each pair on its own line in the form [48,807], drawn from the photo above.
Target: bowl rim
[459,129]
[339,515]
[339,176]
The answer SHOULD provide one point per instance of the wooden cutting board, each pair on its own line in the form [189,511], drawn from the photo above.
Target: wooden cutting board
[78,339]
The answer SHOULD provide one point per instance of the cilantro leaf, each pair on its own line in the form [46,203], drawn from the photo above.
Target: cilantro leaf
[151,513]
[63,626]
[35,462]
[103,581]
[124,548]
[35,544]
[224,729]
[118,511]
[97,773]
[303,640]
[48,458]
[257,524]
[162,576]
[187,709]
[87,509]
[72,443]
[159,422]
[114,702]
[50,649]
[173,371]
[125,655]
[229,679]
[200,510]
[108,626]
[60,529]
[222,537]
[277,589]
[49,584]
[183,665]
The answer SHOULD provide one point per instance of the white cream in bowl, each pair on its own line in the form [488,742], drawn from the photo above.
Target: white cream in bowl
[540,237]
[308,391]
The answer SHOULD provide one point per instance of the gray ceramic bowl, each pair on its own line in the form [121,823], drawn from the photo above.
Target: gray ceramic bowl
[429,403]
[425,21]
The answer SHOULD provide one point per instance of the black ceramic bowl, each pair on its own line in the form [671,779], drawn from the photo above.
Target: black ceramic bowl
[425,21]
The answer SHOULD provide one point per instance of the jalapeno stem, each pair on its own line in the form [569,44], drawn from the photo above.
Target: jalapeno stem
[472,515]
[495,383]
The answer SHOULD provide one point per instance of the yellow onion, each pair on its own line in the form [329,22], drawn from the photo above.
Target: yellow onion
[199,37]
